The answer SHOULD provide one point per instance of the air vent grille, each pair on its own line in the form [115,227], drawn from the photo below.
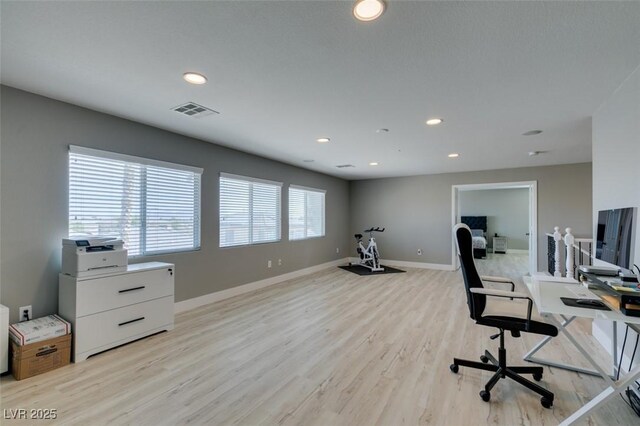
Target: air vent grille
[193,109]
[344,166]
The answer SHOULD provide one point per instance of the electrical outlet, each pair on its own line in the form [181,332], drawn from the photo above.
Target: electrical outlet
[337,250]
[26,313]
[419,252]
[279,262]
[268,264]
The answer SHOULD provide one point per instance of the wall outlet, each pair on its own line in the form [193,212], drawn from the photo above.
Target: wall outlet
[337,250]
[268,264]
[26,313]
[279,262]
[419,252]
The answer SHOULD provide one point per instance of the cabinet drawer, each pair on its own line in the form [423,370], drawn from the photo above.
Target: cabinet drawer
[118,325]
[102,294]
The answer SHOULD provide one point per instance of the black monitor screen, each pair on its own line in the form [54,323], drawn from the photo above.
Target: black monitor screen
[615,238]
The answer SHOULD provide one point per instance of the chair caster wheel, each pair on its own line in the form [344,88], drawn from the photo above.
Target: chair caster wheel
[484,359]
[486,396]
[537,377]
[546,402]
[454,368]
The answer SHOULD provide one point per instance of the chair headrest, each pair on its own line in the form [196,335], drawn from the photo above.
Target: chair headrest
[455,234]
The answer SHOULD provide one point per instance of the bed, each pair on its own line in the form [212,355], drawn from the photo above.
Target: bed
[478,225]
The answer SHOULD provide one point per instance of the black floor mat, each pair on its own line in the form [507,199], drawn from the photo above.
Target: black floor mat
[361,270]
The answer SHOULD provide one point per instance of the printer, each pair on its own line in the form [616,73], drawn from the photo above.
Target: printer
[88,256]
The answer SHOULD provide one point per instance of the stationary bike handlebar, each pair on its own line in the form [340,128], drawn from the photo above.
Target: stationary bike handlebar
[372,229]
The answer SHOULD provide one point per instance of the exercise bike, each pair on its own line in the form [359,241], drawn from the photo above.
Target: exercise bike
[369,256]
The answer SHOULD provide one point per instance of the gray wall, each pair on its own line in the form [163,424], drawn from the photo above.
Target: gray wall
[35,135]
[507,212]
[417,210]
[616,163]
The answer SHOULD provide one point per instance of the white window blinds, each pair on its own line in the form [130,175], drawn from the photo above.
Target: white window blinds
[306,213]
[153,206]
[249,210]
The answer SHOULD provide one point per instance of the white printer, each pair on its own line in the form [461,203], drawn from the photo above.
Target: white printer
[92,255]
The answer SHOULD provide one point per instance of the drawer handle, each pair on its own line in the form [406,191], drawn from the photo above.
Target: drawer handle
[132,289]
[129,322]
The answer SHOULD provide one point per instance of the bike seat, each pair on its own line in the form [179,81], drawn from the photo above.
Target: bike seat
[358,236]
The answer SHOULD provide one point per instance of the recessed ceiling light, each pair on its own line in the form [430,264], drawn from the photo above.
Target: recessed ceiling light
[454,155]
[532,133]
[534,153]
[434,121]
[368,10]
[373,163]
[323,140]
[382,131]
[194,78]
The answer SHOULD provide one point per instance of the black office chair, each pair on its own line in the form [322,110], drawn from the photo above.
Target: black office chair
[477,299]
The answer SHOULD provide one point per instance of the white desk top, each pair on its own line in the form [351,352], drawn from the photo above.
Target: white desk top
[546,295]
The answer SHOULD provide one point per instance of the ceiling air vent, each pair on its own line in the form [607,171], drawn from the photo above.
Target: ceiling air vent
[192,109]
[344,166]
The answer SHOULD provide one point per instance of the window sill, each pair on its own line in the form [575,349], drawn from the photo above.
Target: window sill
[307,238]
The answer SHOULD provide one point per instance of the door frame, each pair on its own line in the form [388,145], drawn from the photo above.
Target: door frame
[531,185]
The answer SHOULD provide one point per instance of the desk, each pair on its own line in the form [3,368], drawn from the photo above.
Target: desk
[546,296]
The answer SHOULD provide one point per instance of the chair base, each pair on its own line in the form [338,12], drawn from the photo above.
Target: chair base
[499,366]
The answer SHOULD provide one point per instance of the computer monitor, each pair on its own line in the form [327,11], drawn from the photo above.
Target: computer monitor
[616,236]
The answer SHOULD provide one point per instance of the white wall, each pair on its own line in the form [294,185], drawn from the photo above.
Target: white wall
[507,212]
[616,164]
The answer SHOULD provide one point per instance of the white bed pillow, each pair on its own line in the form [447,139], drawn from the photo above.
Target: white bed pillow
[477,232]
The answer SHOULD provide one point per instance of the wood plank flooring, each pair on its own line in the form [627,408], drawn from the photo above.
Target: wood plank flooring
[331,348]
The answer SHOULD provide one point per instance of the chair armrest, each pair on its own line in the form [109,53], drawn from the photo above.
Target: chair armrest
[499,293]
[500,280]
[506,294]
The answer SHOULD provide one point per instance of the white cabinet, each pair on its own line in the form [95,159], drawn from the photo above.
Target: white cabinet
[499,244]
[108,310]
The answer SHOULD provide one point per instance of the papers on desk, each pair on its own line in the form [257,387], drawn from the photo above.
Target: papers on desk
[624,288]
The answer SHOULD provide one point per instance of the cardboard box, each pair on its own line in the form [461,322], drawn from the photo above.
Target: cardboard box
[40,357]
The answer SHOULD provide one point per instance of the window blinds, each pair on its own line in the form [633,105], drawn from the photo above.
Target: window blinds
[153,206]
[249,210]
[306,213]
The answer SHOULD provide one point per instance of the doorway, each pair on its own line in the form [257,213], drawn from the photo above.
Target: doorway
[460,192]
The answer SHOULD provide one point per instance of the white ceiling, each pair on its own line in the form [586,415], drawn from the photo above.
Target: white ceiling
[285,73]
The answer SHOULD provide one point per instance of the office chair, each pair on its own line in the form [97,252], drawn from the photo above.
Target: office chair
[477,299]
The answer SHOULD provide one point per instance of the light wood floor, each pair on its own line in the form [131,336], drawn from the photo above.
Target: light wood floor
[331,348]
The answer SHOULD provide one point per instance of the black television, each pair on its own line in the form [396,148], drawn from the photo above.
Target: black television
[616,236]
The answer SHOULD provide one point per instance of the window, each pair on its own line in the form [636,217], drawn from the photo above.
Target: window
[152,205]
[306,213]
[249,210]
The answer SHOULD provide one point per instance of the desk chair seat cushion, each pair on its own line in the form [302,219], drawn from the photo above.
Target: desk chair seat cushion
[517,310]
[519,324]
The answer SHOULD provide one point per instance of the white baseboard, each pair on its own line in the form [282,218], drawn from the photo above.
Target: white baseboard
[405,264]
[186,305]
